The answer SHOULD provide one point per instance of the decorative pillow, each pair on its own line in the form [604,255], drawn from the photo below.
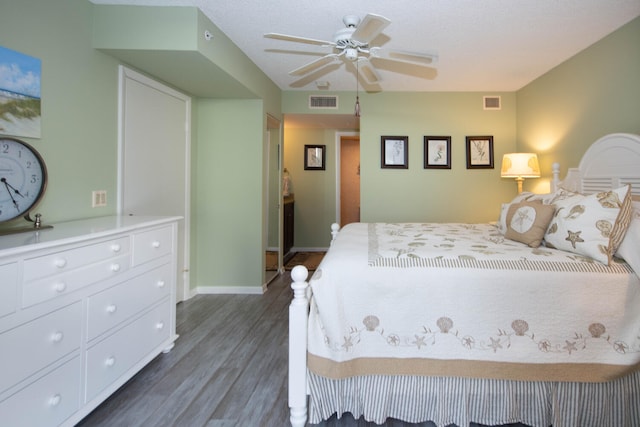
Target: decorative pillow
[591,225]
[527,222]
[502,220]
[629,249]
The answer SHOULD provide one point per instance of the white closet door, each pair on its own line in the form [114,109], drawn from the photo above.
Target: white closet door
[154,155]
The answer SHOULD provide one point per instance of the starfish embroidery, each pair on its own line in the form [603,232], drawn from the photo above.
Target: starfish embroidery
[495,344]
[574,237]
[571,346]
[419,341]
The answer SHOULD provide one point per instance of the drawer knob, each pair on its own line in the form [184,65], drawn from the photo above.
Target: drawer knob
[160,283]
[155,244]
[112,308]
[60,287]
[55,400]
[116,247]
[57,336]
[60,263]
[115,267]
[159,325]
[111,360]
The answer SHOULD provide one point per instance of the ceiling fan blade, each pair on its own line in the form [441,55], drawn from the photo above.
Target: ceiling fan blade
[367,71]
[314,65]
[297,39]
[369,28]
[418,58]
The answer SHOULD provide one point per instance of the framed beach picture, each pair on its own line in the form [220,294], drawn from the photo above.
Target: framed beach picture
[394,152]
[479,152]
[20,77]
[437,152]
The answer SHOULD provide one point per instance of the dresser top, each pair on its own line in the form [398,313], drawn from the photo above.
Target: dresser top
[77,231]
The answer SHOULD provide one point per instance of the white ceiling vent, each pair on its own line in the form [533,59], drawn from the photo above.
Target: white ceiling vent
[491,103]
[327,102]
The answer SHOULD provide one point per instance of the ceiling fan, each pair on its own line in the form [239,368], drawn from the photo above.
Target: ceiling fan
[353,44]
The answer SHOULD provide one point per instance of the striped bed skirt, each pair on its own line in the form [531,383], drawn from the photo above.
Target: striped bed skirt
[461,401]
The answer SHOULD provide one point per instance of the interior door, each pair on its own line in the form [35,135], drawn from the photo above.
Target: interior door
[154,157]
[349,180]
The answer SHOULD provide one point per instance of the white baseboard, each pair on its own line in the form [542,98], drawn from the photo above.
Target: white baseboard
[219,290]
[312,249]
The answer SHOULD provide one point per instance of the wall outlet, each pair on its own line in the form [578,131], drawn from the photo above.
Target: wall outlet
[98,198]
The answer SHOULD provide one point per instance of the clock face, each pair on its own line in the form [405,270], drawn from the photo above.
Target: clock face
[23,178]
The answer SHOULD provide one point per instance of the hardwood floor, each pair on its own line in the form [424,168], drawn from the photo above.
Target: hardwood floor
[227,369]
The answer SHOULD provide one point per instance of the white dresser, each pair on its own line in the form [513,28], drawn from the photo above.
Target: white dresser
[83,307]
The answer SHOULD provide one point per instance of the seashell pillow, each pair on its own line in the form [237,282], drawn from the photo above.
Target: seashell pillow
[527,222]
[629,249]
[504,208]
[592,225]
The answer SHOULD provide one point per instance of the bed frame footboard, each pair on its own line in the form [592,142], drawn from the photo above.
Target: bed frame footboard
[298,318]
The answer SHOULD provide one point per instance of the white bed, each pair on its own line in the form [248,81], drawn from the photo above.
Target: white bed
[455,323]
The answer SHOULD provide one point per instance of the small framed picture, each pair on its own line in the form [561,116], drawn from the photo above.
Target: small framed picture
[480,152]
[394,152]
[314,157]
[437,152]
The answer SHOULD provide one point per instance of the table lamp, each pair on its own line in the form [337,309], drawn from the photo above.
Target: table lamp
[520,166]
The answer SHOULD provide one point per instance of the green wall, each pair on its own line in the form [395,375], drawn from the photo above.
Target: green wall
[79,103]
[229,194]
[80,123]
[592,94]
[415,194]
[558,115]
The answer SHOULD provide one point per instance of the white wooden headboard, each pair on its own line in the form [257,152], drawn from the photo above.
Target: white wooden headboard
[610,162]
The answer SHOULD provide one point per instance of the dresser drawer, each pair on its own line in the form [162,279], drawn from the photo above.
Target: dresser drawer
[48,401]
[152,244]
[8,288]
[111,358]
[61,284]
[63,261]
[116,304]
[30,347]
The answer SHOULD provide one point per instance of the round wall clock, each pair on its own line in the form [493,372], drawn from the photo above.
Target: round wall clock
[23,178]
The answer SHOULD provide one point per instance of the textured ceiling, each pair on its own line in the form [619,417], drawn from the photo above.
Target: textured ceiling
[483,45]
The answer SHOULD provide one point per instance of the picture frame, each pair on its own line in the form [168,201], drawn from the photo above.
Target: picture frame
[394,152]
[314,157]
[437,152]
[479,152]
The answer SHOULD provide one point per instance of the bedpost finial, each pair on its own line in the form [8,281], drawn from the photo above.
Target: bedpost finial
[299,273]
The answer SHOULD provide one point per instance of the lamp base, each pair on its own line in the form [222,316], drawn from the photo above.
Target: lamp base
[519,181]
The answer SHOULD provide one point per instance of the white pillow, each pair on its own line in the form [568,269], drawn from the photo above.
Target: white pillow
[629,249]
[591,225]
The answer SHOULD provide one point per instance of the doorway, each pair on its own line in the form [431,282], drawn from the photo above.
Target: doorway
[273,252]
[349,179]
[154,156]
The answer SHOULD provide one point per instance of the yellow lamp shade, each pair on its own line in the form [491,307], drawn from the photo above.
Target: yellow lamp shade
[520,165]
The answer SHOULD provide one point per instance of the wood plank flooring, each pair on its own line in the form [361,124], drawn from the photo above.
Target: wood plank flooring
[227,369]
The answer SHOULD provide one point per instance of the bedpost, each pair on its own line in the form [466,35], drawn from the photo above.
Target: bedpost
[335,227]
[555,181]
[298,318]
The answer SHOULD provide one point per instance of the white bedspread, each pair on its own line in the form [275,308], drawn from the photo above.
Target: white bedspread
[460,300]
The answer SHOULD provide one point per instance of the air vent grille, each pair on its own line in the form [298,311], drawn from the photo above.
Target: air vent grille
[330,102]
[491,103]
